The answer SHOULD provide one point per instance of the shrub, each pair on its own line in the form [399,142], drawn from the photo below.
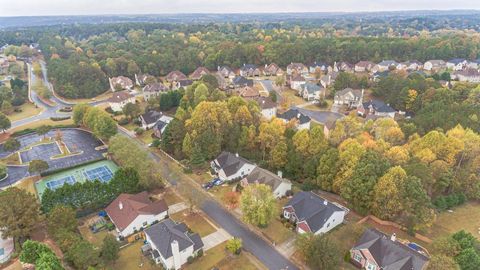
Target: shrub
[156,143]
[190,260]
[137,121]
[139,131]
[109,110]
[123,121]
[60,118]
[200,253]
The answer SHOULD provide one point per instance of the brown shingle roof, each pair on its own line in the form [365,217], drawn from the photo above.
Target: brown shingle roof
[119,97]
[199,72]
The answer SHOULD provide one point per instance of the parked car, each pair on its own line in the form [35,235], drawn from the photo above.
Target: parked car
[217,181]
[208,185]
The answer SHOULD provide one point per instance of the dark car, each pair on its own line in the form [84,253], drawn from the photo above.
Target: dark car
[208,185]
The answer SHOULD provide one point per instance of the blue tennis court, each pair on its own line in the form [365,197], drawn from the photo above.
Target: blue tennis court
[103,174]
[54,184]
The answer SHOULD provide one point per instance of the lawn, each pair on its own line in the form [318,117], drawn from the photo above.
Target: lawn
[38,123]
[27,110]
[130,258]
[315,107]
[276,231]
[210,258]
[146,136]
[291,96]
[465,217]
[107,94]
[196,222]
[242,261]
[94,238]
[12,159]
[171,198]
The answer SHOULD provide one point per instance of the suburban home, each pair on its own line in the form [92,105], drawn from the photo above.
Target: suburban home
[181,84]
[379,75]
[296,68]
[175,76]
[4,64]
[272,70]
[249,70]
[364,66]
[223,83]
[468,75]
[296,82]
[326,80]
[171,244]
[473,64]
[457,64]
[376,251]
[199,73]
[279,186]
[149,119]
[144,79]
[302,121]
[131,213]
[153,90]
[6,249]
[230,167]
[434,65]
[240,81]
[377,108]
[410,65]
[248,92]
[267,106]
[120,83]
[318,67]
[330,123]
[350,97]
[386,65]
[120,99]
[226,72]
[161,125]
[313,214]
[311,91]
[344,66]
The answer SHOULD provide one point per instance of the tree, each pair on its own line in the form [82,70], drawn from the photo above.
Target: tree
[82,255]
[318,251]
[442,262]
[19,214]
[48,261]
[11,145]
[131,110]
[350,152]
[234,245]
[327,169]
[32,250]
[257,204]
[61,218]
[43,130]
[37,166]
[468,259]
[126,180]
[110,249]
[279,155]
[79,111]
[387,198]
[7,107]
[231,199]
[4,122]
[418,213]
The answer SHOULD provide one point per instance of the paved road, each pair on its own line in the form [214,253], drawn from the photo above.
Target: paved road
[268,85]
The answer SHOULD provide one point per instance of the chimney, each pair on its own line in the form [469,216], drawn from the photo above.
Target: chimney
[176,255]
[120,205]
[325,202]
[393,237]
[280,174]
[236,154]
[298,115]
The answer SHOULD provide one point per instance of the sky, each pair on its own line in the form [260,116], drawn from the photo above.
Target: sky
[93,7]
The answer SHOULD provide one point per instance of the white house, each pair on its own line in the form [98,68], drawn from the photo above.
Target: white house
[434,65]
[311,213]
[153,90]
[119,99]
[296,68]
[6,249]
[457,64]
[279,185]
[296,82]
[161,125]
[149,119]
[468,75]
[364,66]
[311,91]
[348,96]
[267,106]
[122,82]
[230,166]
[132,212]
[170,244]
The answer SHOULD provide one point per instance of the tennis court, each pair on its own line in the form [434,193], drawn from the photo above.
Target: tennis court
[54,184]
[103,174]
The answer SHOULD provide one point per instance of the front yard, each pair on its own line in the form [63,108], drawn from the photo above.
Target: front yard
[195,221]
[290,96]
[276,231]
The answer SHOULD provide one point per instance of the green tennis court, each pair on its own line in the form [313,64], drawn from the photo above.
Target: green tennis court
[101,170]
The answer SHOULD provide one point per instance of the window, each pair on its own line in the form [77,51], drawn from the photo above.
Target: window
[357,258]
[328,225]
[371,266]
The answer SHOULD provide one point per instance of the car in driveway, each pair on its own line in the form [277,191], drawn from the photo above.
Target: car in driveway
[208,185]
[217,182]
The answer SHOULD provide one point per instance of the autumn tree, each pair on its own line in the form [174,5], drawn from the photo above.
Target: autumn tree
[234,245]
[327,169]
[319,251]
[61,218]
[110,249]
[270,134]
[350,152]
[417,207]
[231,199]
[387,195]
[37,166]
[131,110]
[257,204]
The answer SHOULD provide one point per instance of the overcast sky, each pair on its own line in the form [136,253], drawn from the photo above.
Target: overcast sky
[87,7]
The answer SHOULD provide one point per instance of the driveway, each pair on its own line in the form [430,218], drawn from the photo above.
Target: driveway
[268,86]
[214,239]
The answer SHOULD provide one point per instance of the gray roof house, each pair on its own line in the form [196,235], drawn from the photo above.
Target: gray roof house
[376,250]
[153,90]
[295,114]
[279,185]
[231,167]
[171,244]
[240,81]
[249,70]
[350,97]
[161,125]
[311,213]
[311,91]
[149,119]
[377,108]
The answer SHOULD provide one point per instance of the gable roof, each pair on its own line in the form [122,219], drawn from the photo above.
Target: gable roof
[298,66]
[388,63]
[240,80]
[230,163]
[294,114]
[248,92]
[123,81]
[151,117]
[297,78]
[118,97]
[127,207]
[199,72]
[165,232]
[319,65]
[247,67]
[262,176]
[265,103]
[456,61]
[378,106]
[355,92]
[311,88]
[365,64]
[155,87]
[388,254]
[162,123]
[175,76]
[312,209]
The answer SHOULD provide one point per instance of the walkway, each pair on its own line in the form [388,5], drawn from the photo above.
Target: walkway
[214,239]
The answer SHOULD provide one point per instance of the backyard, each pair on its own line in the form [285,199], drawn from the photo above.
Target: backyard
[130,258]
[465,217]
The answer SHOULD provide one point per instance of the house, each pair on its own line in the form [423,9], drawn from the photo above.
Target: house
[318,67]
[4,64]
[272,70]
[296,68]
[350,97]
[222,82]
[161,125]
[171,244]
[153,90]
[144,79]
[120,83]
[120,99]
[326,80]
[149,119]
[302,121]
[311,91]
[240,81]
[379,75]
[248,92]
[377,108]
[6,249]
[226,72]
[386,65]
[434,65]
[473,64]
[267,106]
[344,66]
[457,64]
[412,65]
[364,66]
[313,214]
[133,212]
[181,84]
[249,70]
[376,250]
[279,186]
[230,167]
[175,76]
[468,75]
[199,73]
[330,123]
[296,82]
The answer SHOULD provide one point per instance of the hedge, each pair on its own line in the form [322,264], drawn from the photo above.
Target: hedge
[60,118]
[33,130]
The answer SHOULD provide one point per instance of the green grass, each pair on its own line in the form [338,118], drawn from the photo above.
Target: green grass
[465,217]
[38,123]
[276,231]
[94,238]
[194,221]
[27,110]
[291,96]
[131,258]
